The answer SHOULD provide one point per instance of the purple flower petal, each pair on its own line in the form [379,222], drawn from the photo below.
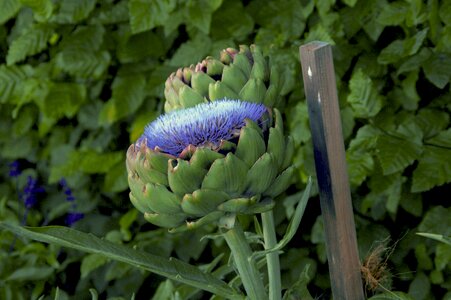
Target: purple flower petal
[204,124]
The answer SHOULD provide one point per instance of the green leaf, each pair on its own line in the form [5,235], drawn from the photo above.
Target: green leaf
[112,15]
[91,262]
[8,9]
[432,121]
[170,268]
[395,154]
[293,225]
[128,95]
[363,97]
[42,9]
[147,14]
[31,274]
[73,11]
[360,165]
[350,2]
[434,169]
[10,81]
[231,21]
[199,13]
[392,296]
[420,287]
[400,49]
[437,69]
[62,99]
[437,221]
[81,53]
[116,179]
[393,13]
[442,139]
[191,52]
[31,42]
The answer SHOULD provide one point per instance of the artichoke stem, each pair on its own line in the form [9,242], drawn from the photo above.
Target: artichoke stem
[272,259]
[247,268]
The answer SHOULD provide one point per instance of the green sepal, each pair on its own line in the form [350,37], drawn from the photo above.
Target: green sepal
[271,96]
[250,145]
[260,69]
[261,174]
[202,202]
[200,82]
[150,175]
[189,97]
[139,205]
[184,178]
[289,152]
[281,183]
[191,225]
[220,90]
[262,206]
[175,82]
[226,174]
[241,60]
[253,91]
[172,98]
[278,120]
[157,161]
[251,124]
[214,66]
[136,188]
[276,141]
[160,200]
[165,220]
[234,78]
[204,157]
[238,205]
[227,146]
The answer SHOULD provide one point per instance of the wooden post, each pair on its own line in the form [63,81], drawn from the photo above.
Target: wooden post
[330,163]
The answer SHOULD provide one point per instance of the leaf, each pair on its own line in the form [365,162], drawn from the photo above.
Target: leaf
[400,49]
[91,262]
[437,221]
[360,165]
[31,42]
[437,237]
[31,273]
[147,14]
[73,11]
[350,2]
[80,53]
[231,21]
[10,81]
[199,13]
[8,9]
[191,52]
[116,179]
[437,69]
[395,154]
[434,169]
[170,268]
[42,9]
[420,287]
[442,139]
[392,296]
[293,225]
[432,121]
[117,13]
[128,95]
[393,13]
[62,99]
[363,97]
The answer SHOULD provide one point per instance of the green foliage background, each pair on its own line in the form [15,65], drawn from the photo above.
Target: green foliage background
[79,79]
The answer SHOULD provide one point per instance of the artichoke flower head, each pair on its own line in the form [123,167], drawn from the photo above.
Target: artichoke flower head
[244,74]
[195,165]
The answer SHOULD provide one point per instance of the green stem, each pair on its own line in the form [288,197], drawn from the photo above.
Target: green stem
[272,259]
[247,268]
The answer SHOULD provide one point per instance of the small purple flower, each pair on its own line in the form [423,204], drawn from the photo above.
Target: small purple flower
[201,125]
[73,217]
[14,170]
[30,192]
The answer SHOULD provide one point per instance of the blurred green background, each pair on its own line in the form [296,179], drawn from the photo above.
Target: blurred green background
[79,79]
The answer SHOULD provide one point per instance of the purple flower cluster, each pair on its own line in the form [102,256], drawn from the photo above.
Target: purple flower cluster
[14,170]
[73,216]
[30,192]
[203,124]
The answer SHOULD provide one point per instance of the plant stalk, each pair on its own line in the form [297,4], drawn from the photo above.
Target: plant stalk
[272,259]
[247,268]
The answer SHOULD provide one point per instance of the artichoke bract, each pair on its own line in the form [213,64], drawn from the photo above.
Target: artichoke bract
[243,74]
[195,165]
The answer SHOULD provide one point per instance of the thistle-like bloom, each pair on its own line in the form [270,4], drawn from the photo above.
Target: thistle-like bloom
[201,163]
[204,125]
